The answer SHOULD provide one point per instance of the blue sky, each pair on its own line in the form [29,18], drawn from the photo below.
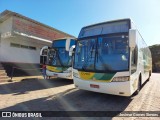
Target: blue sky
[71,15]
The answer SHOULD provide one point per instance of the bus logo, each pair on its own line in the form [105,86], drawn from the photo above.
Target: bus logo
[86,75]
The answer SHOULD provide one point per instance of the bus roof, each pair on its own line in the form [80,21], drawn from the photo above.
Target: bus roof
[120,25]
[110,21]
[117,20]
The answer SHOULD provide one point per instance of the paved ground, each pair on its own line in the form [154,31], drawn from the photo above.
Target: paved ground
[36,94]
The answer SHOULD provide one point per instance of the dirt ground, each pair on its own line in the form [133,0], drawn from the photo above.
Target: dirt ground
[35,94]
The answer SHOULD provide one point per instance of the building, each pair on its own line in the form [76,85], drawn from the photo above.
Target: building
[21,39]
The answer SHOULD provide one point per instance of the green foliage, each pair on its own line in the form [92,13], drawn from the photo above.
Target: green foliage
[155,51]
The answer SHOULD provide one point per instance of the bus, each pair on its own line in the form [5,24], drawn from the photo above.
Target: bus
[57,59]
[111,57]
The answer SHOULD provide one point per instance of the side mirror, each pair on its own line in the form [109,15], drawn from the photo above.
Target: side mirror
[71,50]
[68,44]
[132,38]
[43,48]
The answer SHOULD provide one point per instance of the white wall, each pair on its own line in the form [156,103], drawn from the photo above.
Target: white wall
[20,55]
[6,26]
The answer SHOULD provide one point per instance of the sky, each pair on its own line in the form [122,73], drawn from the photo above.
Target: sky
[71,15]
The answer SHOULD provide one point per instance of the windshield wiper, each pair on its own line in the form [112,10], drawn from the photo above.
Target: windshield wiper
[59,58]
[89,56]
[101,59]
[85,64]
[51,57]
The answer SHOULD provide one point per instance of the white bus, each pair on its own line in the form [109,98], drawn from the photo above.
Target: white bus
[57,59]
[111,57]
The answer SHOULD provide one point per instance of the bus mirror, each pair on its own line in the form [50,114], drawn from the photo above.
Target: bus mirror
[132,38]
[43,48]
[68,44]
[71,50]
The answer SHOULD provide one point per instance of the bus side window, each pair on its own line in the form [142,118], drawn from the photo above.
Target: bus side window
[134,56]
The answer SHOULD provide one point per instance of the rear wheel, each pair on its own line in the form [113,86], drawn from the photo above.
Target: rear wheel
[139,85]
[149,76]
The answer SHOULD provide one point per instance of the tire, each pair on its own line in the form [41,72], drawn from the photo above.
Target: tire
[149,76]
[139,86]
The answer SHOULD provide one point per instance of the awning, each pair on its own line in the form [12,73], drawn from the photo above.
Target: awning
[33,37]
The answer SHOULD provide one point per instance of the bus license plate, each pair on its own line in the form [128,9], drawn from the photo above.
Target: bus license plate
[94,86]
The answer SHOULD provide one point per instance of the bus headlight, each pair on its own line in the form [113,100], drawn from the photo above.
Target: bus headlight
[120,79]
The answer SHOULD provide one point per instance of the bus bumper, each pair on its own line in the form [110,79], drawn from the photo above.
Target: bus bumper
[59,75]
[115,88]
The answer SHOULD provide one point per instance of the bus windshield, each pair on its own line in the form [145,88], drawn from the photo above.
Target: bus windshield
[58,56]
[102,54]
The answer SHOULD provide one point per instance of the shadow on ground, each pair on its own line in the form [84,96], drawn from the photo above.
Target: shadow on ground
[74,100]
[32,84]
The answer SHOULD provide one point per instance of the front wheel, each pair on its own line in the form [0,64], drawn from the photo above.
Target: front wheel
[139,86]
[149,76]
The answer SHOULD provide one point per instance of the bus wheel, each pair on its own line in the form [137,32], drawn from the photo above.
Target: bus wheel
[139,86]
[149,76]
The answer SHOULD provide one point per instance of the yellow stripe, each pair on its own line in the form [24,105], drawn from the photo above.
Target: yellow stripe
[86,75]
[54,69]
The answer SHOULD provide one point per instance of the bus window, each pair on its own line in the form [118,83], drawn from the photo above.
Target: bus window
[134,59]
